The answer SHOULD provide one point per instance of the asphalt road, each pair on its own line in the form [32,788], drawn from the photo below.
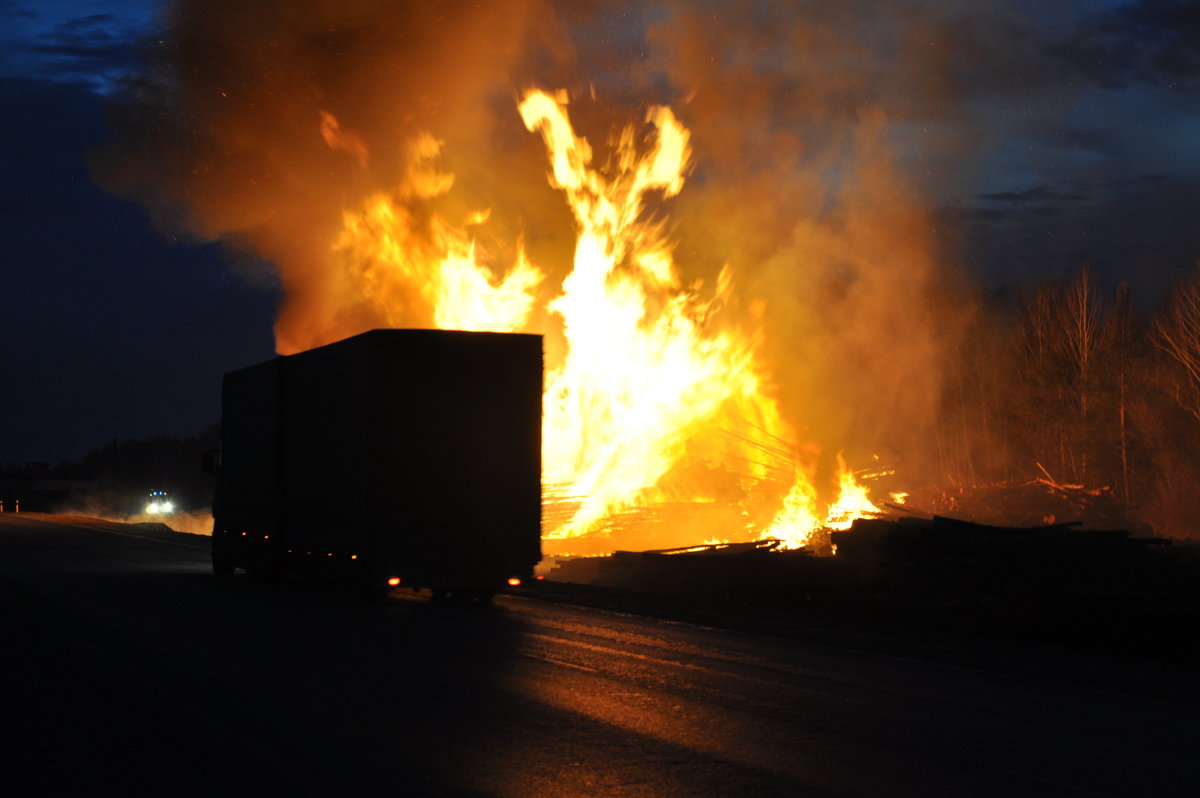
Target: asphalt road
[128,669]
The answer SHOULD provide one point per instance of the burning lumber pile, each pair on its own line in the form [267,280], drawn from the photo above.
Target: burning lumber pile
[665,525]
[736,571]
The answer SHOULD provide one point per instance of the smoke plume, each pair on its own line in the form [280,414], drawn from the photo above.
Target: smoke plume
[263,124]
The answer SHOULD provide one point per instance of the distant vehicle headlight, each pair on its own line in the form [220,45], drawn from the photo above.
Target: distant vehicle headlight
[152,508]
[166,507]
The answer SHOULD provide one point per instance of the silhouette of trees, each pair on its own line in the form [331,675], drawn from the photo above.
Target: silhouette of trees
[1121,338]
[1066,381]
[1177,333]
[128,470]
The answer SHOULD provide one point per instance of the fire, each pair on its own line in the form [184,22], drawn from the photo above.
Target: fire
[338,139]
[388,251]
[852,503]
[659,399]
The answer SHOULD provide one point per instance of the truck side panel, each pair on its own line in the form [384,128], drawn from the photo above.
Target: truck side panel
[463,410]
[247,496]
[406,452]
[323,462]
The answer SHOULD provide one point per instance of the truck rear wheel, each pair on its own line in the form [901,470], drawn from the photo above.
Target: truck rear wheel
[222,556]
[265,563]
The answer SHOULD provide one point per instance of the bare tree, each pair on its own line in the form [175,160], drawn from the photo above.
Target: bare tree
[1081,314]
[1039,339]
[1121,332]
[1040,401]
[1177,333]
[1080,318]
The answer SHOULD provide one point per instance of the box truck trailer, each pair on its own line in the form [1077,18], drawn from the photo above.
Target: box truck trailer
[396,457]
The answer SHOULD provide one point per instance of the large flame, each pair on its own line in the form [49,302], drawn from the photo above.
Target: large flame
[658,401]
[389,252]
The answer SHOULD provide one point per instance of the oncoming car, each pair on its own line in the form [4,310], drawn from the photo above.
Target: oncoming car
[160,503]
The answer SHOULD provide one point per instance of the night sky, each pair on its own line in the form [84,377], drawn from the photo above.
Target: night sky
[1083,123]
[109,328]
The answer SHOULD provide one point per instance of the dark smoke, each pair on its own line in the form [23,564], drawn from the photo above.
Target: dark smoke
[815,127]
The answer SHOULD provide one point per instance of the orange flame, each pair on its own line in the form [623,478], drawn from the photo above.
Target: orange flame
[388,252]
[852,503]
[654,379]
[345,140]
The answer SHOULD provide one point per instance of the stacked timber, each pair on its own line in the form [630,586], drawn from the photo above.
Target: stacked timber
[1057,582]
[754,570]
[1103,589]
[940,543]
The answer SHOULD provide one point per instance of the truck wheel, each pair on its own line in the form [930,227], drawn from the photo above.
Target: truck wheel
[265,565]
[222,557]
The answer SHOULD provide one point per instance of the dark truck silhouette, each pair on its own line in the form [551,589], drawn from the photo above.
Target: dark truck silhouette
[408,457]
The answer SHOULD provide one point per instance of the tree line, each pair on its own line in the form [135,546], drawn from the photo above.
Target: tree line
[1066,382]
[115,479]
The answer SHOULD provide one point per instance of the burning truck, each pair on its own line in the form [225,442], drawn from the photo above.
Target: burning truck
[395,457]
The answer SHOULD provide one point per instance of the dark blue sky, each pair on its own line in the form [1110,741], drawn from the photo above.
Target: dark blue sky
[1082,117]
[108,329]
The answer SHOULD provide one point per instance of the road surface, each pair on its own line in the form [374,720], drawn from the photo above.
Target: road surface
[129,668]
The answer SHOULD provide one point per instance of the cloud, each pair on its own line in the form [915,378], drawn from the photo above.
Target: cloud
[9,8]
[1136,228]
[1150,41]
[96,50]
[1041,193]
